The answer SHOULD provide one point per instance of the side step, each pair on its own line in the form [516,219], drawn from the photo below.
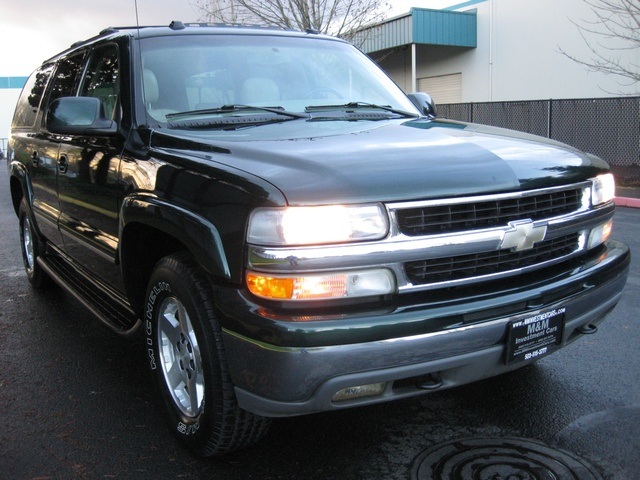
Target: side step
[108,306]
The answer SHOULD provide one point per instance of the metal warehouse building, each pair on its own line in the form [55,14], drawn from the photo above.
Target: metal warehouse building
[496,50]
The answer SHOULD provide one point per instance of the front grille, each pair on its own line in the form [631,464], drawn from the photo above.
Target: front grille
[462,267]
[439,219]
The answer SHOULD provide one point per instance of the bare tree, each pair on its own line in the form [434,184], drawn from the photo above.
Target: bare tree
[614,32]
[341,18]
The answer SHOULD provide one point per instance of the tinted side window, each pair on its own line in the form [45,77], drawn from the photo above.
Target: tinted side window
[30,98]
[102,79]
[65,81]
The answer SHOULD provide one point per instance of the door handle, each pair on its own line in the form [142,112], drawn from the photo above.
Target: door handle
[63,164]
[35,158]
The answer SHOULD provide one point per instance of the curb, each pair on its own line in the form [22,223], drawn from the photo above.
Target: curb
[627,202]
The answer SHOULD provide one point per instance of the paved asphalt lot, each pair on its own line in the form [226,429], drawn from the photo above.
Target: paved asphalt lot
[76,401]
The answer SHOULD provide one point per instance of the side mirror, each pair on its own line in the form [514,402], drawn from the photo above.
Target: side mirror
[424,102]
[79,116]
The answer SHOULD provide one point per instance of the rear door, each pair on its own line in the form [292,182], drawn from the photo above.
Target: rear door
[38,148]
[31,148]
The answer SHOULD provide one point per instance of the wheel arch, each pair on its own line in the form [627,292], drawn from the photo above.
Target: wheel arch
[150,229]
[17,185]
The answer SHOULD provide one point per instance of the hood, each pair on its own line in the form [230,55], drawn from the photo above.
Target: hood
[321,162]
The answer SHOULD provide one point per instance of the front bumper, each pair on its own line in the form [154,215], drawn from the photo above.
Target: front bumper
[278,379]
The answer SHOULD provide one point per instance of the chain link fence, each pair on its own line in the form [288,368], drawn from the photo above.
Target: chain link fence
[606,127]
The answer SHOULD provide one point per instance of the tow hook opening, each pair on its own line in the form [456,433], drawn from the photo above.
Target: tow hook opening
[588,329]
[431,381]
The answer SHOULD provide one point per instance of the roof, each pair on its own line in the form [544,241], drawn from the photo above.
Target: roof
[178,28]
[421,26]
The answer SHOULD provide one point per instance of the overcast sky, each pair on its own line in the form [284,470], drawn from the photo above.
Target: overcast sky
[34,30]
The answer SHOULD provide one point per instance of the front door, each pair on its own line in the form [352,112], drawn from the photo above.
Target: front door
[88,177]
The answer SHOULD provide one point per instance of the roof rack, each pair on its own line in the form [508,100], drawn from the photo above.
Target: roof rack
[178,25]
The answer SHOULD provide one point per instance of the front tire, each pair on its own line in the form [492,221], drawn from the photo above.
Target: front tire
[186,356]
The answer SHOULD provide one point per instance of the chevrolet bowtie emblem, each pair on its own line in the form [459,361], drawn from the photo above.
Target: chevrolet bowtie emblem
[523,235]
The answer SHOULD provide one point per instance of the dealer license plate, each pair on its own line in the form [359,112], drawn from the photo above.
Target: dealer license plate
[530,338]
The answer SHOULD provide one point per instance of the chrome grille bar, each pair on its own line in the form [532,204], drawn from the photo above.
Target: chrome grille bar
[435,218]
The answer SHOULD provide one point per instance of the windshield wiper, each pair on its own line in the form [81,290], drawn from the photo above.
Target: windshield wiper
[225,109]
[228,122]
[359,105]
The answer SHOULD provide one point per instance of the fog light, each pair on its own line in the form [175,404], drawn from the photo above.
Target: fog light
[359,391]
[599,234]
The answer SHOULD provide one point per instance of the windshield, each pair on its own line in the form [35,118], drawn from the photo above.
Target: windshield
[202,75]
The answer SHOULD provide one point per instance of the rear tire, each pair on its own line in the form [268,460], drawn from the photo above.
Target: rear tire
[32,248]
[186,356]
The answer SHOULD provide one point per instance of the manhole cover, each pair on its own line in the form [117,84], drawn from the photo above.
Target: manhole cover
[495,458]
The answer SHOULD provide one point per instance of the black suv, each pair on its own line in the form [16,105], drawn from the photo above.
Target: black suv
[290,232]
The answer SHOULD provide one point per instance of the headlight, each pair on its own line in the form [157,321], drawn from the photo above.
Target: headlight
[603,189]
[317,225]
[333,285]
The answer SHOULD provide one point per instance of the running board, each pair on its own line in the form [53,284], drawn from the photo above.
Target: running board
[108,306]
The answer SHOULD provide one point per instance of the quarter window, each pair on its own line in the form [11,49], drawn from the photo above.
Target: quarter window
[30,98]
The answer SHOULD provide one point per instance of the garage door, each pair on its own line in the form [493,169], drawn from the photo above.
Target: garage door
[443,89]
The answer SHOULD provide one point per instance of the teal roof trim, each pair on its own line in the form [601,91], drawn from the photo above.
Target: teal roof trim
[470,3]
[438,27]
[12,82]
[421,26]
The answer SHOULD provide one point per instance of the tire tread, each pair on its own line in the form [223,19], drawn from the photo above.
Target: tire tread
[234,428]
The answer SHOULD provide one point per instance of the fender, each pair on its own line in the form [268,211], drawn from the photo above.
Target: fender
[20,187]
[197,233]
[18,171]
